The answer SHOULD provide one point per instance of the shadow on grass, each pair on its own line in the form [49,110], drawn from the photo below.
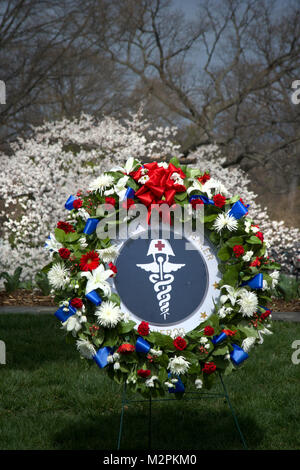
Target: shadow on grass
[173,428]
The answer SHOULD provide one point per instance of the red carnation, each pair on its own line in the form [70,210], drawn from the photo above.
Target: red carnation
[230,332]
[113,268]
[89,261]
[238,250]
[67,228]
[260,236]
[265,314]
[77,203]
[76,303]
[127,203]
[219,200]
[64,253]
[144,373]
[180,343]
[209,330]
[143,328]
[196,202]
[204,178]
[110,201]
[125,348]
[209,368]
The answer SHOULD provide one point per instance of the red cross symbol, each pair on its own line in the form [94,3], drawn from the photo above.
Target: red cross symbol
[159,245]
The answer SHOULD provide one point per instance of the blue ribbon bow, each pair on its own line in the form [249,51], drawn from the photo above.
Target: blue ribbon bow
[238,355]
[219,338]
[204,199]
[101,356]
[90,226]
[62,315]
[94,297]
[255,283]
[179,387]
[238,210]
[69,203]
[142,346]
[129,193]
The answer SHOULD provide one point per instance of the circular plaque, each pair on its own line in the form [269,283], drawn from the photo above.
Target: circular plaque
[169,283]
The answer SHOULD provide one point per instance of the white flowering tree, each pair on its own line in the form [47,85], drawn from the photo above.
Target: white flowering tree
[62,157]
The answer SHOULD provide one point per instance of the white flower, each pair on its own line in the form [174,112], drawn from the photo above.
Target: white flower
[58,276]
[109,314]
[248,303]
[169,385]
[178,365]
[275,276]
[85,348]
[116,365]
[97,280]
[203,340]
[247,256]
[177,178]
[224,311]
[52,244]
[119,188]
[126,317]
[163,164]
[225,221]
[116,356]
[82,242]
[101,183]
[143,179]
[150,382]
[74,323]
[83,213]
[232,294]
[128,168]
[265,285]
[248,343]
[110,359]
[262,332]
[198,383]
[155,352]
[108,254]
[247,225]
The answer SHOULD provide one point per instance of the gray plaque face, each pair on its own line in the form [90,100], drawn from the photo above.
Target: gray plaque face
[159,281]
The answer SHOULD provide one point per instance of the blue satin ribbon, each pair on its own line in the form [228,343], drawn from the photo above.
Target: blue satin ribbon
[219,338]
[204,199]
[238,210]
[179,387]
[62,315]
[69,203]
[90,226]
[255,283]
[238,355]
[94,297]
[129,193]
[101,356]
[142,346]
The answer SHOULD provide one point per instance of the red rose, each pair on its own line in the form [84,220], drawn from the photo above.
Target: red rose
[219,200]
[144,373]
[180,343]
[196,202]
[209,330]
[113,268]
[67,228]
[238,250]
[265,314]
[89,261]
[64,253]
[230,332]
[127,203]
[125,348]
[77,203]
[110,201]
[204,178]
[143,328]
[209,368]
[260,236]
[76,303]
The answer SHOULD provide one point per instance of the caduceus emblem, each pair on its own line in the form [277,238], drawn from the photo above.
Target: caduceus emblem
[161,268]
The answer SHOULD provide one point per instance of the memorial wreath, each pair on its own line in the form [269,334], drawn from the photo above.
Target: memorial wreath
[82,265]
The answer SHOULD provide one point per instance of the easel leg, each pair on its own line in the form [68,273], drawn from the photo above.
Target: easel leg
[149,422]
[233,413]
[121,418]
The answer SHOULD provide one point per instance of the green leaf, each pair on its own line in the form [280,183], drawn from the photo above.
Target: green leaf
[224,253]
[60,235]
[163,341]
[234,241]
[253,240]
[124,328]
[72,237]
[175,162]
[132,184]
[115,298]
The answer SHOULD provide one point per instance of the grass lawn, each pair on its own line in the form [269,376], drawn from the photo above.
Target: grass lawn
[50,399]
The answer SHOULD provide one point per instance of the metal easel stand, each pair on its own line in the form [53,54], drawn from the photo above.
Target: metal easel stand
[199,396]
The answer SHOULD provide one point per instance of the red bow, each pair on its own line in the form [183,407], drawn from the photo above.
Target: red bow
[160,187]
